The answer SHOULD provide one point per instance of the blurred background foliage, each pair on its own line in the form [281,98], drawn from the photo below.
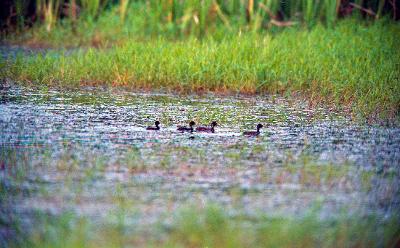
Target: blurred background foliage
[190,17]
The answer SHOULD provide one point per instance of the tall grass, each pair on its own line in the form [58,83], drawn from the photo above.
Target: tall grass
[123,9]
[201,16]
[101,22]
[339,66]
[93,8]
[20,6]
[49,12]
[225,46]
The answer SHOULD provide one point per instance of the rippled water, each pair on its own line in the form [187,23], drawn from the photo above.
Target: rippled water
[81,149]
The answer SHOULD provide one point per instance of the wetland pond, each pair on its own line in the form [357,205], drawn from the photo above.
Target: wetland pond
[87,152]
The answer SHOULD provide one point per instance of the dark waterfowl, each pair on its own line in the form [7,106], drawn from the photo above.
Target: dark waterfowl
[187,129]
[157,126]
[254,133]
[210,129]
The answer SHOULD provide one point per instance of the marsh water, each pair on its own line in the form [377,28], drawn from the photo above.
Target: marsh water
[87,151]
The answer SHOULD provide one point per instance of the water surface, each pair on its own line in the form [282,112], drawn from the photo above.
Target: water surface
[85,150]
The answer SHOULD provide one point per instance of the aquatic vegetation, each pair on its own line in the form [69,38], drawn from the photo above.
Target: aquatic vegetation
[211,226]
[309,172]
[336,67]
[222,46]
[103,22]
[81,165]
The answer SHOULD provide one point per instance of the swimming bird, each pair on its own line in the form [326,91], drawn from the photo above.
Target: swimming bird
[254,133]
[187,129]
[157,126]
[207,129]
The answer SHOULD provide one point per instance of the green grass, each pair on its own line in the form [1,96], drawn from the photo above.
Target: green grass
[93,20]
[211,226]
[343,66]
[188,46]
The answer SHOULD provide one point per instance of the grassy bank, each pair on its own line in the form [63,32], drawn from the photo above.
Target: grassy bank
[353,66]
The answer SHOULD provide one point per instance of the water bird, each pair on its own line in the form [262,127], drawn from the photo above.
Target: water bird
[254,133]
[157,126]
[187,129]
[210,129]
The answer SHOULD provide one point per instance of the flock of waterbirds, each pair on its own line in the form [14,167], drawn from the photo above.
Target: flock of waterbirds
[204,129]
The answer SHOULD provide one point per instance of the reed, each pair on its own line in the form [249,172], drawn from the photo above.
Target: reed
[200,17]
[123,6]
[92,8]
[19,11]
[48,12]
[331,11]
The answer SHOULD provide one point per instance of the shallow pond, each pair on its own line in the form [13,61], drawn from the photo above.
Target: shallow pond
[85,150]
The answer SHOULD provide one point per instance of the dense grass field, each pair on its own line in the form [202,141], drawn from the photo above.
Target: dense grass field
[352,66]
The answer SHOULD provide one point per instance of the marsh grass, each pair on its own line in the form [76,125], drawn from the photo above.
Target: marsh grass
[221,46]
[211,226]
[192,226]
[340,67]
[102,23]
[309,172]
[181,18]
